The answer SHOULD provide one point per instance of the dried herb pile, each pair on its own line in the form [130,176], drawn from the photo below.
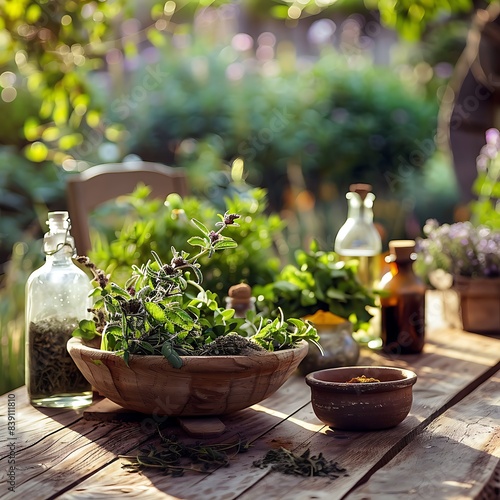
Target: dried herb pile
[52,371]
[287,462]
[174,458]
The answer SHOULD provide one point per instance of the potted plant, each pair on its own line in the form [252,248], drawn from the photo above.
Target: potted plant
[467,258]
[166,346]
[466,255]
[321,288]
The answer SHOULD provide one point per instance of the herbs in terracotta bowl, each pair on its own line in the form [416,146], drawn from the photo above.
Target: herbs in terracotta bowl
[167,346]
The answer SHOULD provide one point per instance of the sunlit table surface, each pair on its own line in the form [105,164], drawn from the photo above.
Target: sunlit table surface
[447,448]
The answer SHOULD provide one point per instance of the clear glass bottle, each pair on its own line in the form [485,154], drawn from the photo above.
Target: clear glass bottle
[358,238]
[403,303]
[57,298]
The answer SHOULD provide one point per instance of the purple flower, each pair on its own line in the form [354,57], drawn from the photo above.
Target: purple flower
[493,137]
[460,249]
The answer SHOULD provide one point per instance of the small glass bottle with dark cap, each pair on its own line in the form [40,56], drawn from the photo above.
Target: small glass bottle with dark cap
[402,302]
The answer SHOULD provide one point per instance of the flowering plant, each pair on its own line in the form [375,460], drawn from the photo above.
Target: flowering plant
[486,209]
[469,249]
[461,249]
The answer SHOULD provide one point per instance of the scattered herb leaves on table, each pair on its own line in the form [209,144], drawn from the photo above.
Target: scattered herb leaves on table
[173,457]
[287,462]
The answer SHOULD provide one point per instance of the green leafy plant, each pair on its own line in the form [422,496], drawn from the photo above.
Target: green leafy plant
[152,225]
[164,310]
[318,281]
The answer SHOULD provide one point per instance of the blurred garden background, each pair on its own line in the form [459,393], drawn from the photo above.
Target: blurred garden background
[273,108]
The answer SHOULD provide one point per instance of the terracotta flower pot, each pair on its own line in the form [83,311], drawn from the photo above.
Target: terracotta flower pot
[204,385]
[479,304]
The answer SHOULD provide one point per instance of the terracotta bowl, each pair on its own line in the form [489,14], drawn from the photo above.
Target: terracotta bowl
[211,385]
[362,406]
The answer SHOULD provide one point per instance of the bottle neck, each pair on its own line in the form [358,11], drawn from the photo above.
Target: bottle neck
[61,257]
[58,245]
[360,209]
[401,267]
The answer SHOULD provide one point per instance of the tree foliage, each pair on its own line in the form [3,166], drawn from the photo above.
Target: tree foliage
[48,50]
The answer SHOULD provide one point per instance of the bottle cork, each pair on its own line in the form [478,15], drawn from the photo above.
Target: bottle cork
[402,250]
[361,189]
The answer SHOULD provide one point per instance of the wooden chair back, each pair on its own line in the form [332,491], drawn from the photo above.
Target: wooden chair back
[89,189]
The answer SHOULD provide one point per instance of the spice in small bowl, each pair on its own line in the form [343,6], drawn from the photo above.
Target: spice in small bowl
[363,379]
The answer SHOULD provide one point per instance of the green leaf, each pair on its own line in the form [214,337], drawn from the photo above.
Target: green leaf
[109,337]
[332,293]
[286,286]
[95,292]
[180,318]
[146,346]
[118,290]
[198,241]
[85,332]
[227,314]
[200,226]
[198,275]
[171,356]
[225,244]
[156,311]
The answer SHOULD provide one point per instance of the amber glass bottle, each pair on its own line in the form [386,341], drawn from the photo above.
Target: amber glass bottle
[403,303]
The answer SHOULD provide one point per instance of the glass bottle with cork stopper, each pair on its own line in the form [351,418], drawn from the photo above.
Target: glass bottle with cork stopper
[57,298]
[402,302]
[358,238]
[240,299]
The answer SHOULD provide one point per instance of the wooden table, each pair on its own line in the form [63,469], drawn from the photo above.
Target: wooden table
[448,447]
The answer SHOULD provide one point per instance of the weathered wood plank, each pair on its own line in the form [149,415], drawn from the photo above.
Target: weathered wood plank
[251,423]
[234,481]
[63,457]
[32,424]
[68,457]
[120,491]
[469,432]
[442,378]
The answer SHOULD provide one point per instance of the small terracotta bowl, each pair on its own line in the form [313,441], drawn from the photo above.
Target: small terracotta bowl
[362,406]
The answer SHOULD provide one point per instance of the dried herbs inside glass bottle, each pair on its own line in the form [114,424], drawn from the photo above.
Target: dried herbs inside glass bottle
[57,298]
